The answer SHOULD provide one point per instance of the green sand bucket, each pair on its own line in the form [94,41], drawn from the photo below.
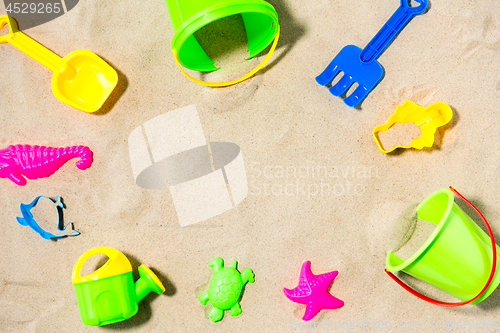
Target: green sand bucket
[188,16]
[457,258]
[109,295]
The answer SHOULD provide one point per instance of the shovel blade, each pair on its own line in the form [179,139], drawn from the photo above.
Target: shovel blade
[90,87]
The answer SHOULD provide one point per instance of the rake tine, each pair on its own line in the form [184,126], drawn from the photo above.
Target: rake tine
[357,96]
[340,87]
[328,74]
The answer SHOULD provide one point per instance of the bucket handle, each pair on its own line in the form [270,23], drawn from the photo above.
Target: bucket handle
[493,265]
[230,83]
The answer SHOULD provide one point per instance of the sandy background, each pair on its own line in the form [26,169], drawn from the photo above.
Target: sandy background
[281,118]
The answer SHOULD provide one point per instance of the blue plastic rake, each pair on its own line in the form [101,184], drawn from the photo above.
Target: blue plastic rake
[361,66]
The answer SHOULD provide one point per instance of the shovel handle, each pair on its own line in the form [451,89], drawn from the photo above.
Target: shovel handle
[33,49]
[391,28]
[4,20]
[493,265]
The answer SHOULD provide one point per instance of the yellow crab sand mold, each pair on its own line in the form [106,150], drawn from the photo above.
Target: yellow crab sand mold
[427,118]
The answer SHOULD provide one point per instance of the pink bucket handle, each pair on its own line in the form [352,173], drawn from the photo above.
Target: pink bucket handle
[493,265]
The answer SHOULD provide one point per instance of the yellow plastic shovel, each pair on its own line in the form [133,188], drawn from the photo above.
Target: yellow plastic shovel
[81,79]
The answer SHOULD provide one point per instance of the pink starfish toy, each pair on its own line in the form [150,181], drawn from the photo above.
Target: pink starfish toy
[312,291]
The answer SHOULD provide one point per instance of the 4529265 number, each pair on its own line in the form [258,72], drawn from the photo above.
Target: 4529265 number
[34,8]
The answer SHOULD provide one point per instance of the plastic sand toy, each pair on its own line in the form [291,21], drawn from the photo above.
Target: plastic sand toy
[81,79]
[188,16]
[225,288]
[109,294]
[427,118]
[28,219]
[313,292]
[361,66]
[458,258]
[35,162]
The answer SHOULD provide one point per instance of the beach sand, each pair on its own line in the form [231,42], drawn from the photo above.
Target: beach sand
[290,130]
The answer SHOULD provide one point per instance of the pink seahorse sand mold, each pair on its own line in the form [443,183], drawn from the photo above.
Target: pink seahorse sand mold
[35,162]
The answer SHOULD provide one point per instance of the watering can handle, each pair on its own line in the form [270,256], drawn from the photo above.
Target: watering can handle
[493,265]
[230,83]
[116,258]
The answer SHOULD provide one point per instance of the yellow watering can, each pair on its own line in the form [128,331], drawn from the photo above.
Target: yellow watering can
[81,79]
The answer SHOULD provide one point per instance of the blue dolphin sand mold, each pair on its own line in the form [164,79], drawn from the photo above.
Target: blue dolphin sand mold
[28,220]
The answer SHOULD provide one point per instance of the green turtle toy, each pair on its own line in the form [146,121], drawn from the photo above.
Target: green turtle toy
[225,288]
